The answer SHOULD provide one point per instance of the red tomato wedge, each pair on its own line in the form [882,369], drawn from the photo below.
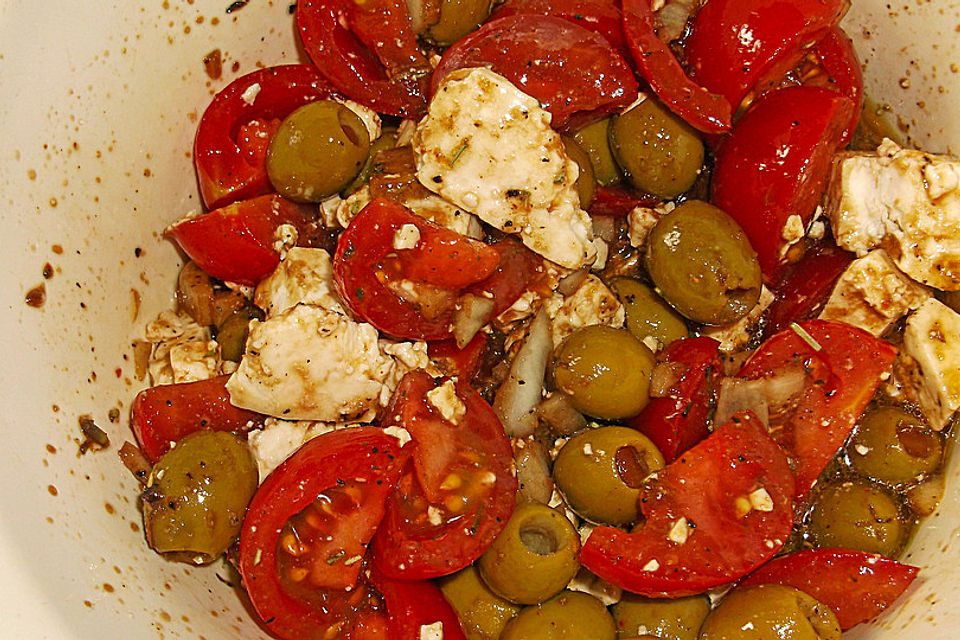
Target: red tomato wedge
[167,413]
[719,511]
[368,51]
[803,287]
[307,527]
[236,242]
[453,361]
[838,69]
[617,202]
[458,492]
[775,164]
[408,293]
[517,269]
[734,45]
[680,420]
[857,586]
[229,167]
[601,16]
[577,70]
[655,62]
[413,604]
[843,366]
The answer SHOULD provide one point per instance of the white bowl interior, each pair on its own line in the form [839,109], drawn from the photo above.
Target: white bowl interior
[98,107]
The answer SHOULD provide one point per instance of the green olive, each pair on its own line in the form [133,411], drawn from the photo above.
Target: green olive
[658,152]
[674,619]
[317,151]
[534,557]
[605,371]
[703,265]
[586,183]
[481,612]
[600,471]
[571,615]
[647,313]
[198,495]
[387,140]
[856,515]
[594,139]
[893,446]
[770,612]
[232,332]
[457,19]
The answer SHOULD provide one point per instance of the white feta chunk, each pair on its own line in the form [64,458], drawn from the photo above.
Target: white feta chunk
[304,276]
[278,439]
[488,147]
[445,400]
[906,201]
[433,631]
[873,294]
[736,335]
[181,350]
[592,303]
[406,237]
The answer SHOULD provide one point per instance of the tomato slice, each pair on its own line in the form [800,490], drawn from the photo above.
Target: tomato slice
[843,366]
[413,604]
[775,164]
[407,293]
[236,242]
[680,420]
[616,202]
[838,69]
[577,70]
[719,511]
[167,413]
[857,586]
[600,16]
[228,168]
[458,492]
[456,362]
[517,268]
[734,45]
[803,287]
[367,50]
[702,109]
[307,527]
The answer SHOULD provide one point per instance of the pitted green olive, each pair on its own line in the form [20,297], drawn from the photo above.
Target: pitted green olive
[571,615]
[647,313]
[534,557]
[199,494]
[457,19]
[317,151]
[586,183]
[702,264]
[600,471]
[658,152]
[675,619]
[894,447]
[594,139]
[770,612]
[856,514]
[232,332]
[604,371]
[481,612]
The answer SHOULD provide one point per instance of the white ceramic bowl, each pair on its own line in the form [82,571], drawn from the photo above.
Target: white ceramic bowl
[98,105]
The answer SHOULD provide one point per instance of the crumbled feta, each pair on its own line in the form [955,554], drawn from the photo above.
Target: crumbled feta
[873,294]
[432,631]
[906,201]
[736,335]
[280,438]
[761,500]
[642,220]
[488,147]
[285,238]
[445,400]
[304,276]
[653,565]
[679,532]
[399,433]
[181,351]
[592,303]
[406,237]
[250,94]
[369,117]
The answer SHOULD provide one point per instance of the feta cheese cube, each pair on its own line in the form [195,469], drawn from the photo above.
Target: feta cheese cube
[592,303]
[304,276]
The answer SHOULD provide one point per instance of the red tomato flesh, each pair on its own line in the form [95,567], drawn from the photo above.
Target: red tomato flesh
[601,16]
[719,511]
[857,586]
[412,604]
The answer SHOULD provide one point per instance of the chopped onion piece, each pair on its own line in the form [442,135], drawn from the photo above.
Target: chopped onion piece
[473,313]
[533,470]
[557,412]
[762,397]
[572,281]
[195,294]
[672,18]
[663,377]
[517,399]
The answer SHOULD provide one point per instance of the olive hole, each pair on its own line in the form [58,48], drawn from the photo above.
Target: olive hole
[345,126]
[632,467]
[539,538]
[916,442]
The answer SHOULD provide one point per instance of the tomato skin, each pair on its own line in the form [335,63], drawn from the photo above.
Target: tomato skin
[842,73]
[776,161]
[616,202]
[601,16]
[857,586]
[701,486]
[725,62]
[408,545]
[585,74]
[803,287]
[456,362]
[167,413]
[226,170]
[679,421]
[235,242]
[841,380]
[391,77]
[702,109]
[517,268]
[412,604]
[364,459]
[361,276]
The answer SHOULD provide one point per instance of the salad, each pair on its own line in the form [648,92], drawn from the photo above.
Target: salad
[555,319]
